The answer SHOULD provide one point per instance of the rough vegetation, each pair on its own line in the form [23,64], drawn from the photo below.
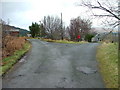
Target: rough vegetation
[64,41]
[12,50]
[10,44]
[107,56]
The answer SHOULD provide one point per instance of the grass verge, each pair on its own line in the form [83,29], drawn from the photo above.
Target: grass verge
[64,41]
[11,60]
[107,56]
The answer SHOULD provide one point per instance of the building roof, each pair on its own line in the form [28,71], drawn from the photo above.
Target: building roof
[14,30]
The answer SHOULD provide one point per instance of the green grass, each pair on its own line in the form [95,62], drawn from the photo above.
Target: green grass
[11,60]
[107,56]
[64,41]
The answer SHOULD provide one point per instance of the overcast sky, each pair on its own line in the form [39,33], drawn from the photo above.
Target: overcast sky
[22,13]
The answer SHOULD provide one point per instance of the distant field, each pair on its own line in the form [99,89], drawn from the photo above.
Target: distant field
[107,56]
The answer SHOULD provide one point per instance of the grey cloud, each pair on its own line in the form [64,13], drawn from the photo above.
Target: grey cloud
[14,11]
[9,8]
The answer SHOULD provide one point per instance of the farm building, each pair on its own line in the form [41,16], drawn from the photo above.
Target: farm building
[14,31]
[111,37]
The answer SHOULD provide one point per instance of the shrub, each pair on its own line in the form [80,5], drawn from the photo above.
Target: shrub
[88,37]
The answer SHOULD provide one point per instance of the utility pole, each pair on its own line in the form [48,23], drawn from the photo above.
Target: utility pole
[40,29]
[61,28]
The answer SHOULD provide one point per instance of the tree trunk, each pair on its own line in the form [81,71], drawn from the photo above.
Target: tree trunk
[119,40]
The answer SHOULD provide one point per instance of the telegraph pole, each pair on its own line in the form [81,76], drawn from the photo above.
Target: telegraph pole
[39,29]
[61,28]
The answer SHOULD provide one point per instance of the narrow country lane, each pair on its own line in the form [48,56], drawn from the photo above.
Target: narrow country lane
[56,65]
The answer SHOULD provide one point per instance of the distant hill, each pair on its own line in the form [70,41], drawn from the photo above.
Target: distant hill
[9,28]
[102,30]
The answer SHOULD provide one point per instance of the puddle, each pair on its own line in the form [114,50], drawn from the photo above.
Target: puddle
[86,70]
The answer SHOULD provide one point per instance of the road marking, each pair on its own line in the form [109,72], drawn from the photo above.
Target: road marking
[44,43]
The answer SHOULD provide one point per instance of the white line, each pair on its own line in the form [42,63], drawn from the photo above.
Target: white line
[44,43]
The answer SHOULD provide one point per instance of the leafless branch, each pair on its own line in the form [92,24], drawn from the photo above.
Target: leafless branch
[103,15]
[110,11]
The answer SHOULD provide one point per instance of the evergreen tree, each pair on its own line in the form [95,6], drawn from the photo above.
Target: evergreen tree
[34,29]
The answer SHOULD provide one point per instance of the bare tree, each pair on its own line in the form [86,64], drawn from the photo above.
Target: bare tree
[4,26]
[80,27]
[53,27]
[110,10]
[119,25]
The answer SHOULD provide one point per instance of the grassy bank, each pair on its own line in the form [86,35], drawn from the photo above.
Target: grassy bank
[8,62]
[64,41]
[107,56]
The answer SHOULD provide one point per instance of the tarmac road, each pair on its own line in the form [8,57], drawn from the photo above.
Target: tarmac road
[56,65]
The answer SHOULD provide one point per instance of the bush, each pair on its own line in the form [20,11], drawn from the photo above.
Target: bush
[88,37]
